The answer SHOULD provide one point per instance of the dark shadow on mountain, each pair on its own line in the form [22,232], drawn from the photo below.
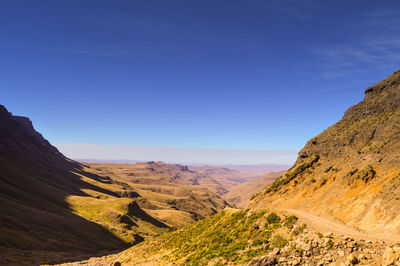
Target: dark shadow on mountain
[36,223]
[135,210]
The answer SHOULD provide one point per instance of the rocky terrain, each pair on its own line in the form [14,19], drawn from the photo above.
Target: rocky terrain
[315,248]
[351,170]
[248,237]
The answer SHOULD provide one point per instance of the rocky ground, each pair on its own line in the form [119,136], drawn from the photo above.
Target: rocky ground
[313,248]
[256,238]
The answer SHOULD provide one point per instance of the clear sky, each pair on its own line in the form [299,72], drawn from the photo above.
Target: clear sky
[220,74]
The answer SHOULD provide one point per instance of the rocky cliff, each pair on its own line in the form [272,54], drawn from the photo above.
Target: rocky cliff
[350,171]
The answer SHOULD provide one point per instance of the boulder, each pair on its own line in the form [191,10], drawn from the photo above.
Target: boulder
[351,260]
[391,256]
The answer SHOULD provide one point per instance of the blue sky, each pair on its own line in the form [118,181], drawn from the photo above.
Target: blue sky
[254,75]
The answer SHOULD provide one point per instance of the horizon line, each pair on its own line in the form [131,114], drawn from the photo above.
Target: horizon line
[178,155]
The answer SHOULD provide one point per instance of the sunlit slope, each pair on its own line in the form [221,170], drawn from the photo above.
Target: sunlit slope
[351,170]
[231,236]
[172,193]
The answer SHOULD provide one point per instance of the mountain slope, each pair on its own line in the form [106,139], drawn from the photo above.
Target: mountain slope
[250,237]
[35,180]
[350,171]
[171,193]
[241,194]
[54,209]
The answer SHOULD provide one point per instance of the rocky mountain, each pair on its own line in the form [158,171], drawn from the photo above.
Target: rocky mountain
[351,171]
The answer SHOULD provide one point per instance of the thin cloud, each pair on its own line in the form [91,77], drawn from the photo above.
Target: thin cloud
[375,46]
[296,8]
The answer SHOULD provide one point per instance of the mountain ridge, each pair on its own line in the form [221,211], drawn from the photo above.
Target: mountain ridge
[351,170]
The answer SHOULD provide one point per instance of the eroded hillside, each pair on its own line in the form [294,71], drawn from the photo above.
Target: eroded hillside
[350,171]
[172,193]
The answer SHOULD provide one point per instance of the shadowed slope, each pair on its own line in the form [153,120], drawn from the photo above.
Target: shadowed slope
[36,223]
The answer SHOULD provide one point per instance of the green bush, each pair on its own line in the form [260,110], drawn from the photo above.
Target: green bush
[297,230]
[290,221]
[273,218]
[330,244]
[292,174]
[278,241]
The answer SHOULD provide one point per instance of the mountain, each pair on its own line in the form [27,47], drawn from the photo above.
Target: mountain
[172,193]
[338,205]
[55,210]
[35,180]
[226,177]
[259,169]
[241,194]
[351,171]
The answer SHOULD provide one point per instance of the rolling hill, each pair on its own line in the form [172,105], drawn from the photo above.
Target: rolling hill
[172,193]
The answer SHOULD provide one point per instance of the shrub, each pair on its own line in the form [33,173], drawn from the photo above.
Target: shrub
[330,244]
[290,221]
[292,174]
[297,230]
[273,218]
[278,241]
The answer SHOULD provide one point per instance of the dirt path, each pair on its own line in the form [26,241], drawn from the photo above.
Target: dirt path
[330,224]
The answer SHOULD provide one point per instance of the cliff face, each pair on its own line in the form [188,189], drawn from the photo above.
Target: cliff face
[352,169]
[366,129]
[19,140]
[36,224]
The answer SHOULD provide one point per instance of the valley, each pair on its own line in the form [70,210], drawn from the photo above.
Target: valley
[200,133]
[337,205]
[54,209]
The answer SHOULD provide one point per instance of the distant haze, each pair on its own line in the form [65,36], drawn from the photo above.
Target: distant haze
[102,153]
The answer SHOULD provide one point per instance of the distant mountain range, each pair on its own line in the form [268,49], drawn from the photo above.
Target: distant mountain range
[259,169]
